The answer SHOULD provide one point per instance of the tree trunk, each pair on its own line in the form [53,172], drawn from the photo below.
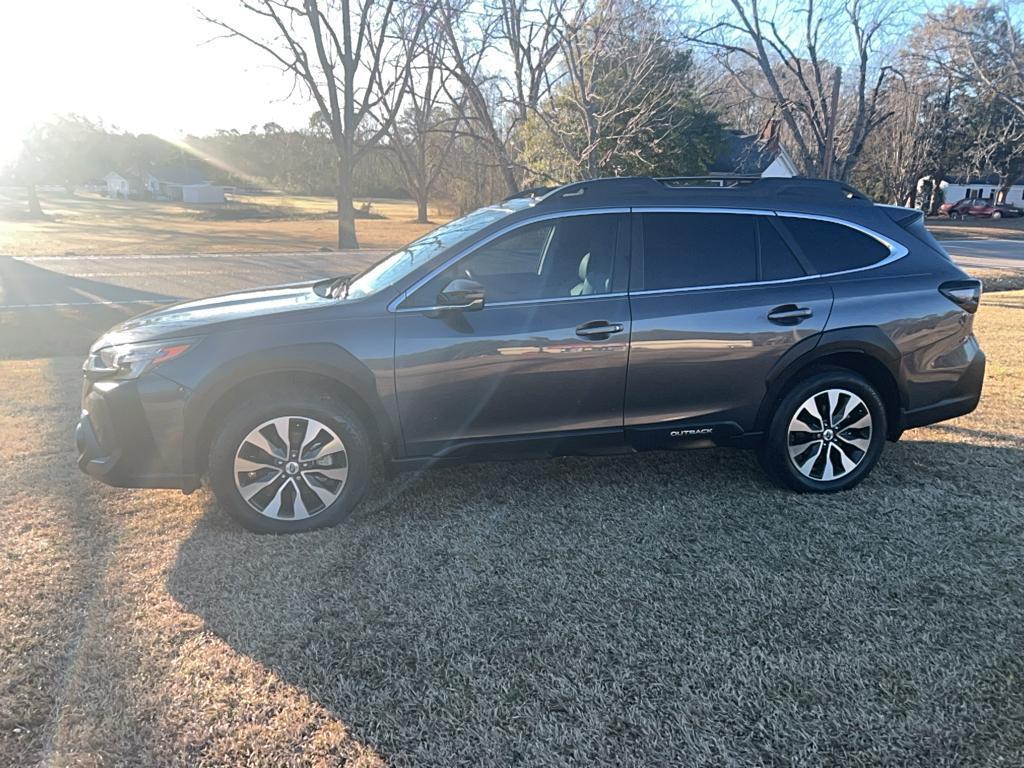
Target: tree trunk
[421,208]
[346,213]
[34,208]
[1004,189]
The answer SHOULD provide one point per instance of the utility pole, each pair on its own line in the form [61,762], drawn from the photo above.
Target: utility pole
[833,118]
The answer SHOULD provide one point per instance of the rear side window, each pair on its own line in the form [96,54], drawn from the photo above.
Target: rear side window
[777,260]
[832,247]
[690,250]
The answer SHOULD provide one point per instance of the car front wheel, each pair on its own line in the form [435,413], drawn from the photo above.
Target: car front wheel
[290,462]
[826,433]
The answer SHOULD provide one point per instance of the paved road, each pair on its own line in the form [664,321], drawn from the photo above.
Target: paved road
[59,305]
[987,254]
[48,282]
[53,305]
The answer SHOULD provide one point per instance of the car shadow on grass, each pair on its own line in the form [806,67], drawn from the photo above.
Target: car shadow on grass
[663,609]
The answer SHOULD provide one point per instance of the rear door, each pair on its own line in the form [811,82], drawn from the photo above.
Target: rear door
[717,297]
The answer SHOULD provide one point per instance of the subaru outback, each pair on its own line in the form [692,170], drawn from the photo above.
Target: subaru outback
[792,316]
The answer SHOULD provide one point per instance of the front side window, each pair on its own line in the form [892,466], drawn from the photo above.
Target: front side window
[692,250]
[833,247]
[556,258]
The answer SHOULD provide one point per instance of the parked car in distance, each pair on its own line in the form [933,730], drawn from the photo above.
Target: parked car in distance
[792,316]
[979,206]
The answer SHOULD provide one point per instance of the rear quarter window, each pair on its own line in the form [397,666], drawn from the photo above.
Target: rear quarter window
[833,247]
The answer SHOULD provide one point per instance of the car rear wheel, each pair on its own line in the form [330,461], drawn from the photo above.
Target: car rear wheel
[826,433]
[290,462]
[997,214]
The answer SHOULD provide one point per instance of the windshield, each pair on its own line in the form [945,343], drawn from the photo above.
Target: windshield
[419,252]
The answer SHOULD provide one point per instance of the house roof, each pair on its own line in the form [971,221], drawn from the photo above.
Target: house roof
[744,154]
[183,175]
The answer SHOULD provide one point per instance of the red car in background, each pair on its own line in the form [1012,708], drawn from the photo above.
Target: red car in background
[978,206]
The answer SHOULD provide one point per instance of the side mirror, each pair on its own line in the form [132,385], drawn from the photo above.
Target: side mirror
[462,293]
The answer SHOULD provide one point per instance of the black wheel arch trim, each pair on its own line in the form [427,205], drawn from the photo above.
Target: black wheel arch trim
[323,359]
[862,340]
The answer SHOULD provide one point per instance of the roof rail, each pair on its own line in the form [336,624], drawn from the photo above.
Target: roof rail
[730,181]
[529,192]
[614,188]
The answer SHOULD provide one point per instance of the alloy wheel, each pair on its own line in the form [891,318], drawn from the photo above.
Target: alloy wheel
[291,467]
[829,435]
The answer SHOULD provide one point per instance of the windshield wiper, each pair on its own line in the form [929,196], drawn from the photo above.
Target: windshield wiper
[334,287]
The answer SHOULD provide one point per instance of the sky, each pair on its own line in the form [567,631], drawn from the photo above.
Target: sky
[138,65]
[146,66]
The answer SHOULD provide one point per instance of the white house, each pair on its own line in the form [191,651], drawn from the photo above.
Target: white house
[753,155]
[956,188]
[126,185]
[183,183]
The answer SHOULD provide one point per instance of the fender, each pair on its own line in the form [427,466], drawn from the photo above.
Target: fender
[320,358]
[866,340]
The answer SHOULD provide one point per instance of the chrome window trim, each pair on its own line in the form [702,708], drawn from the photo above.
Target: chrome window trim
[393,305]
[896,250]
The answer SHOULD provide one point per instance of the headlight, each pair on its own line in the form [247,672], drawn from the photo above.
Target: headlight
[129,361]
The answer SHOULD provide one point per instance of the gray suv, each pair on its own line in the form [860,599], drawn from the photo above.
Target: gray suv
[792,316]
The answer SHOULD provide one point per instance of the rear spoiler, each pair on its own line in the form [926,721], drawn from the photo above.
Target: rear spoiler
[912,221]
[905,217]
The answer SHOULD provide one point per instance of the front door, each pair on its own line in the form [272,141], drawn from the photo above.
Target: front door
[718,302]
[545,356]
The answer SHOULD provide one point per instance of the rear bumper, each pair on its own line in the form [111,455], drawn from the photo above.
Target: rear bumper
[129,434]
[959,400]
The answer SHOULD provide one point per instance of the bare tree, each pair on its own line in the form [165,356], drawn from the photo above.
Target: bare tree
[343,54]
[424,133]
[526,33]
[618,106]
[827,117]
[893,161]
[980,45]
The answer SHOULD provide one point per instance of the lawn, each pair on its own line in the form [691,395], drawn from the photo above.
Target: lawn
[91,224]
[659,609]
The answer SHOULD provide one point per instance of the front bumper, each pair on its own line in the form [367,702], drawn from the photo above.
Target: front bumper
[130,433]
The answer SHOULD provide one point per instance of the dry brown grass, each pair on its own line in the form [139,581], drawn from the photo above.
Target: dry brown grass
[665,609]
[90,224]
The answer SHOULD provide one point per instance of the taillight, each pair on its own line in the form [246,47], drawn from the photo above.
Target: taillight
[966,294]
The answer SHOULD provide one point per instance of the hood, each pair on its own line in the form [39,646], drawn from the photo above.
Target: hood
[205,315]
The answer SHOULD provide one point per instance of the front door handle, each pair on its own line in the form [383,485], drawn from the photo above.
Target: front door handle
[790,314]
[598,328]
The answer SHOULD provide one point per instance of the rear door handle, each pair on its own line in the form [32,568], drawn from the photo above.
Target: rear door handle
[598,328]
[789,314]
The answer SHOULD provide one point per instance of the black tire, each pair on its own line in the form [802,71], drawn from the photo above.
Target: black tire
[774,451]
[997,214]
[300,404]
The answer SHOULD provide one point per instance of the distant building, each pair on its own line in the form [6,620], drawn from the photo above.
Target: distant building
[187,184]
[125,185]
[184,183]
[956,188]
[753,155]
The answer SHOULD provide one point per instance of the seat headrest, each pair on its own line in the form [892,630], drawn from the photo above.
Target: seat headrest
[584,266]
